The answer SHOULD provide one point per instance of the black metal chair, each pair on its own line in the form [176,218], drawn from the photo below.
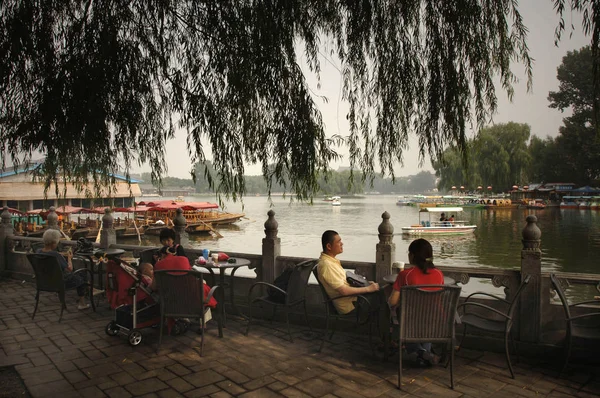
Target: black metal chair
[332,312]
[49,278]
[427,315]
[182,296]
[575,329]
[504,325]
[293,296]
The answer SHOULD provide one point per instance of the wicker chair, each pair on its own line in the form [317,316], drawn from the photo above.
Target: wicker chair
[427,314]
[482,322]
[331,312]
[49,278]
[294,295]
[575,329]
[182,296]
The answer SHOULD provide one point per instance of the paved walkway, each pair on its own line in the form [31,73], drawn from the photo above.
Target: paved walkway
[76,358]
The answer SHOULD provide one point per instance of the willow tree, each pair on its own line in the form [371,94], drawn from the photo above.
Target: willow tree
[95,84]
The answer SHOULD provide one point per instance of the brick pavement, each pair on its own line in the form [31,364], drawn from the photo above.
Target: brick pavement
[76,358]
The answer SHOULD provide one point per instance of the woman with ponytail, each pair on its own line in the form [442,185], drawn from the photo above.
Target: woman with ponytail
[422,272]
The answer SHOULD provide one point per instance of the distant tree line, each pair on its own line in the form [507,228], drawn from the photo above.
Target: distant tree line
[504,155]
[332,183]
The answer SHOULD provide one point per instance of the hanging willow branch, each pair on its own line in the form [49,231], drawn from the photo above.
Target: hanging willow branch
[95,85]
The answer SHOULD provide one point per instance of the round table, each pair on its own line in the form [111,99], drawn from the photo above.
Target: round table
[222,266]
[392,278]
[109,253]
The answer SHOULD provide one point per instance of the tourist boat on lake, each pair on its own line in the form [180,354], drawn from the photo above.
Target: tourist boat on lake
[536,204]
[427,226]
[200,217]
[336,201]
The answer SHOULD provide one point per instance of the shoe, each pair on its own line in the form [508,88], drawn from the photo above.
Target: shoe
[83,306]
[429,358]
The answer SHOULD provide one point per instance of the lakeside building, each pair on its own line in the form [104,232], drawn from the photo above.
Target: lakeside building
[552,192]
[18,190]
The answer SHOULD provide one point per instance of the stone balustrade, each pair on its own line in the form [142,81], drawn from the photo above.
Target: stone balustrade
[539,311]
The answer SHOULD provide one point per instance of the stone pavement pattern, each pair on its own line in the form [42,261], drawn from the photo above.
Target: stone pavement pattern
[76,358]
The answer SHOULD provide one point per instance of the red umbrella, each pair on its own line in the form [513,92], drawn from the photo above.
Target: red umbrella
[489,187]
[479,187]
[526,187]
[515,187]
[453,187]
[462,187]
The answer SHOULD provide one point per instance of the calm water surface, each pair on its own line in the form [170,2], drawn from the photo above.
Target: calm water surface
[570,238]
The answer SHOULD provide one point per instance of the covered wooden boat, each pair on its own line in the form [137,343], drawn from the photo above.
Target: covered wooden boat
[429,226]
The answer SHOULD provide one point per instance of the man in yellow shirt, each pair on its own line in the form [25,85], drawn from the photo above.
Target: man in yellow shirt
[333,277]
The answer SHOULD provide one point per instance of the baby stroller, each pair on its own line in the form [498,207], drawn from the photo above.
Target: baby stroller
[134,306]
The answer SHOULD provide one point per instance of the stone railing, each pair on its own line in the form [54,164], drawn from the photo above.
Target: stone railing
[538,310]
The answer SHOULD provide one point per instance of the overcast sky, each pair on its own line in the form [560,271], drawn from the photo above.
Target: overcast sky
[531,108]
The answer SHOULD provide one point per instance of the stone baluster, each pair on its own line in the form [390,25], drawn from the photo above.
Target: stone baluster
[271,249]
[108,235]
[179,223]
[6,230]
[531,300]
[385,250]
[52,218]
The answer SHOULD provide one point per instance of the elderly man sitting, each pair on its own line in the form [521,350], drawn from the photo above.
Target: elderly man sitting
[51,238]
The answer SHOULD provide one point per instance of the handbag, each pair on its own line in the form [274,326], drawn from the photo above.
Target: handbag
[355,280]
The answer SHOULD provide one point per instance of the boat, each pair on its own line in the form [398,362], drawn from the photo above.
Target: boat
[536,204]
[336,201]
[200,217]
[426,226]
[403,201]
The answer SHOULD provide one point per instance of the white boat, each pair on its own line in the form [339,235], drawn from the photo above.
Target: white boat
[427,226]
[336,201]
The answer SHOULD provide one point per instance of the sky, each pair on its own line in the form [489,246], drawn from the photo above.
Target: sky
[531,108]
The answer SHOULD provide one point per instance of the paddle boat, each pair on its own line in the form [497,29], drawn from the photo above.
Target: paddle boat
[429,226]
[336,201]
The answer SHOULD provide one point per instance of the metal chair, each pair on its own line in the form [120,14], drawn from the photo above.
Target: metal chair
[427,314]
[294,295]
[332,312]
[49,277]
[504,325]
[182,296]
[574,329]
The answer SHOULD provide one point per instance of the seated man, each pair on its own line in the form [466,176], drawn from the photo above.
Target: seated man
[333,277]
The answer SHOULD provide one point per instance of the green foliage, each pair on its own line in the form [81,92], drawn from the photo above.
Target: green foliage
[574,155]
[498,156]
[95,85]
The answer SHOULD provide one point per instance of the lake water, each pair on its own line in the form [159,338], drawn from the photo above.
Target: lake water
[570,238]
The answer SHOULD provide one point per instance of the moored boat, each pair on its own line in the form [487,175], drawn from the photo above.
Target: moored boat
[336,201]
[434,227]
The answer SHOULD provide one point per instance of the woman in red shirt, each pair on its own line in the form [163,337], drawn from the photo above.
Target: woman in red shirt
[422,272]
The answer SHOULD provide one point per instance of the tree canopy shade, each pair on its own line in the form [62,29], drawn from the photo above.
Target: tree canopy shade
[99,84]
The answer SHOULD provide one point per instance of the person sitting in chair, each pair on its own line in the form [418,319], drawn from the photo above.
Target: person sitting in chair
[333,276]
[167,238]
[51,238]
[423,272]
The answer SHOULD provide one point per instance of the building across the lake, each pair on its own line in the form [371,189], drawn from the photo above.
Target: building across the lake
[19,191]
[550,191]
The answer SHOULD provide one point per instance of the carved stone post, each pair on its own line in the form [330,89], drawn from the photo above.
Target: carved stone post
[385,250]
[6,229]
[52,219]
[530,320]
[179,224]
[271,249]
[108,235]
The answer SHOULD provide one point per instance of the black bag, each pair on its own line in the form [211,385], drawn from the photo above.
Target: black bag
[356,280]
[84,246]
[281,282]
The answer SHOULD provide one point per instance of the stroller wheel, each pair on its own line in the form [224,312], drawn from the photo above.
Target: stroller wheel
[135,337]
[112,329]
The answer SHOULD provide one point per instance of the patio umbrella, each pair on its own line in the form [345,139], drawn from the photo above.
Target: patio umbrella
[462,187]
[489,187]
[453,187]
[479,187]
[515,187]
[526,187]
